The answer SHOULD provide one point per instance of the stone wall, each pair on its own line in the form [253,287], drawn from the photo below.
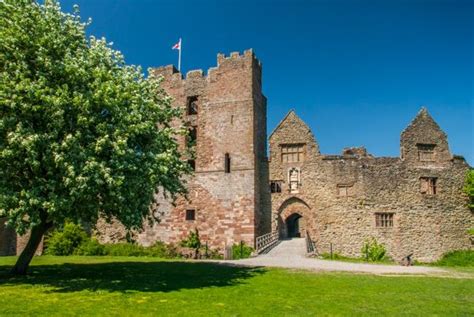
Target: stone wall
[423,224]
[231,118]
[13,244]
[7,239]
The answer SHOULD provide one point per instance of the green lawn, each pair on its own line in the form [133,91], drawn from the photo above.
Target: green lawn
[124,286]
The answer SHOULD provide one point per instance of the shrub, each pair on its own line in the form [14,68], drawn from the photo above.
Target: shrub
[65,241]
[373,251]
[125,249]
[192,241]
[241,251]
[162,250]
[463,258]
[90,247]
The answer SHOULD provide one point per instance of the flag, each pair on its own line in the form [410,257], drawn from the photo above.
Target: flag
[177,46]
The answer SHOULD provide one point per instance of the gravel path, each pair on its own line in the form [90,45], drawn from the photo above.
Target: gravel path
[291,254]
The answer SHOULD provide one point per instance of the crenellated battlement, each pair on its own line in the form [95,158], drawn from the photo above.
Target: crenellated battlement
[222,61]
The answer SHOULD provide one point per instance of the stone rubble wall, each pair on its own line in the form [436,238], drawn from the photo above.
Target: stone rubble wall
[425,225]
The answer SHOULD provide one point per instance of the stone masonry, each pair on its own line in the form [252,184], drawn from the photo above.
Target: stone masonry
[226,111]
[412,204]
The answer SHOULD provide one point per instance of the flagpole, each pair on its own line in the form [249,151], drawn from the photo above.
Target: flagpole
[179,55]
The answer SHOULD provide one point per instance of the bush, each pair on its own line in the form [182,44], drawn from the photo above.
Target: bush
[192,241]
[241,251]
[125,249]
[373,251]
[65,241]
[162,250]
[464,258]
[90,247]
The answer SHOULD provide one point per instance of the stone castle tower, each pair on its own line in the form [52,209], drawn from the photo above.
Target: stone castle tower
[225,112]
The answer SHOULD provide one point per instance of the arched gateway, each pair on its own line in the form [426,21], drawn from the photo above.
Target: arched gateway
[292,218]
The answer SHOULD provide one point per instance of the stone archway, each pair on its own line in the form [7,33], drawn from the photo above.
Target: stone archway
[292,218]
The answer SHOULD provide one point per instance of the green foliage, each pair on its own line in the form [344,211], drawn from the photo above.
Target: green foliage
[373,251]
[241,251]
[159,249]
[192,241]
[81,132]
[469,188]
[90,247]
[72,239]
[471,231]
[337,256]
[460,258]
[162,250]
[65,241]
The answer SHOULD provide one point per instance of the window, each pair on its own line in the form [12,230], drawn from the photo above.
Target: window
[192,164]
[191,137]
[275,187]
[291,153]
[227,163]
[426,152]
[190,214]
[384,220]
[344,190]
[192,105]
[428,185]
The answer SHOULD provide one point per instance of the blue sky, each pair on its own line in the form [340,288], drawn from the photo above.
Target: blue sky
[356,72]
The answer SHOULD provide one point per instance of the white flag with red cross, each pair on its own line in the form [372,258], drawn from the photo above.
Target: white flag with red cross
[177,46]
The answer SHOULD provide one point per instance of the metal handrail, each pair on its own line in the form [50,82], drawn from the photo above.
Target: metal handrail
[265,241]
[310,246]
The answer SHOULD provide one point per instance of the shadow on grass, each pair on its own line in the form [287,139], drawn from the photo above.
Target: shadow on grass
[131,276]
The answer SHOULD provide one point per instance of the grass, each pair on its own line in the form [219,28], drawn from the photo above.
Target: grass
[460,258]
[125,286]
[338,257]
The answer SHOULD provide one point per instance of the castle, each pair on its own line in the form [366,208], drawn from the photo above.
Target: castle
[412,204]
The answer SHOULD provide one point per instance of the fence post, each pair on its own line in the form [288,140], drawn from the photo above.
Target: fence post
[331,249]
[228,253]
[241,249]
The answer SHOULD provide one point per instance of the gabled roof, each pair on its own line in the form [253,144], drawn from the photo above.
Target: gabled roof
[290,115]
[422,116]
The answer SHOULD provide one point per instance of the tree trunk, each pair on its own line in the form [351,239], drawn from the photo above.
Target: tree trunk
[23,262]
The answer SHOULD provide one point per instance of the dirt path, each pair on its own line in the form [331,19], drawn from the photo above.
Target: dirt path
[291,254]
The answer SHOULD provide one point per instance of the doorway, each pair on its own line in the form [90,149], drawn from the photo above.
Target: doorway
[293,225]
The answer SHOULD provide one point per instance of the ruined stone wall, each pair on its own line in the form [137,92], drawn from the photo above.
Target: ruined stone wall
[425,225]
[231,118]
[7,239]
[13,244]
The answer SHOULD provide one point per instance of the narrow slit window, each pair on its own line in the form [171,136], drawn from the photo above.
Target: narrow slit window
[227,163]
[191,137]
